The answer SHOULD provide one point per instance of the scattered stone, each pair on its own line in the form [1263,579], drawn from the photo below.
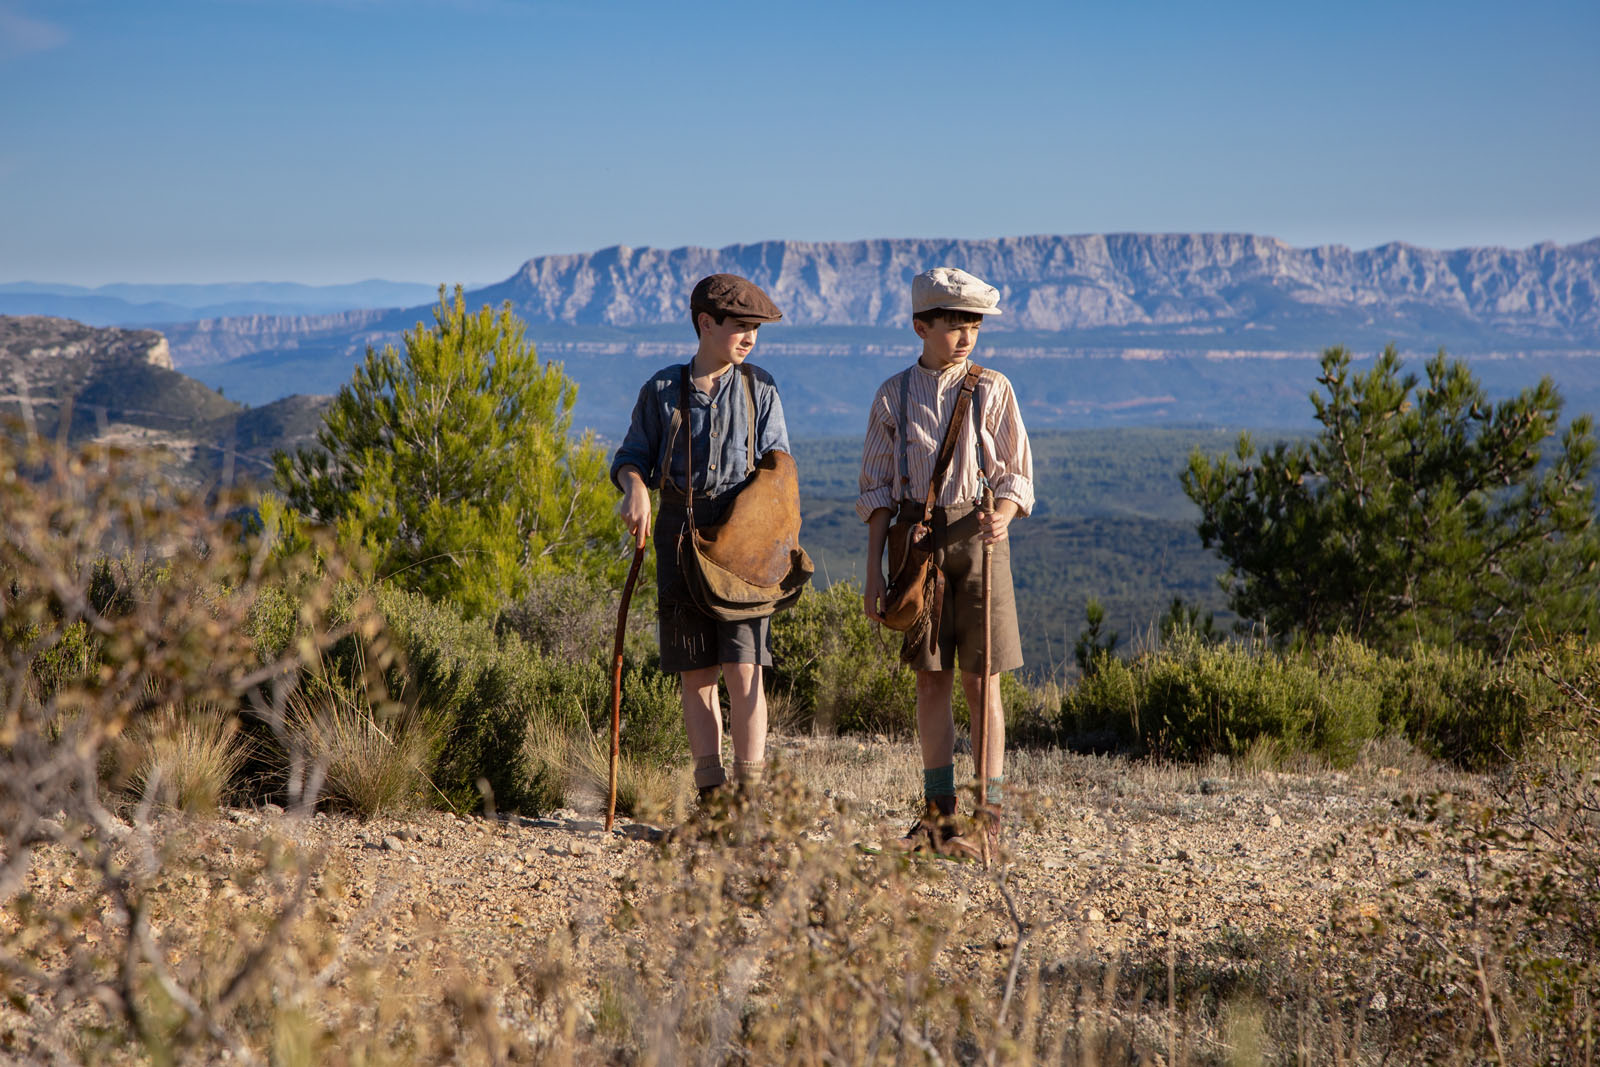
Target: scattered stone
[392,843]
[272,809]
[1095,915]
[1275,822]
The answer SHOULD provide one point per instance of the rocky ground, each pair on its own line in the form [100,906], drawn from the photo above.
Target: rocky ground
[1113,851]
[1104,858]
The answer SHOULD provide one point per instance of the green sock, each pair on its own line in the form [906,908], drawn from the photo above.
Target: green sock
[939,781]
[993,791]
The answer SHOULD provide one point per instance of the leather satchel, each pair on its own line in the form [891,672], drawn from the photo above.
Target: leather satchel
[915,592]
[750,563]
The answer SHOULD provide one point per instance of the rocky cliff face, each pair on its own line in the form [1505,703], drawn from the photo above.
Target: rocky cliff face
[1084,282]
[40,355]
[219,340]
[1109,291]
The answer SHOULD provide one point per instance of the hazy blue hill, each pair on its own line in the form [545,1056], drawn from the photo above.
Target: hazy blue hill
[151,396]
[124,304]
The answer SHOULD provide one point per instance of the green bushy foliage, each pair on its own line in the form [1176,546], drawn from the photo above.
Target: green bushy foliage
[485,689]
[836,671]
[574,616]
[1454,703]
[1193,699]
[453,465]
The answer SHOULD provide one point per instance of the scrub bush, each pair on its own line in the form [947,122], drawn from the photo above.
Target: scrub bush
[1192,699]
[485,689]
[838,674]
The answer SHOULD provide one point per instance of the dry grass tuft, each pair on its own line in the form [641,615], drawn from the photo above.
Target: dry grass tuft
[573,770]
[188,760]
[369,763]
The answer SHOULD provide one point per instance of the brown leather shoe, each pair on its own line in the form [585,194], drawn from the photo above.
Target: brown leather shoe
[938,832]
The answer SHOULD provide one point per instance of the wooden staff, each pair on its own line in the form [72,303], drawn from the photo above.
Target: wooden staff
[616,684]
[981,749]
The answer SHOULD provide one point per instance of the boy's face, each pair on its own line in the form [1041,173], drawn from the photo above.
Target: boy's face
[730,342]
[946,343]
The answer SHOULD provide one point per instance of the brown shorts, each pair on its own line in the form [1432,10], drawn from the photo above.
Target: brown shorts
[961,617]
[690,639]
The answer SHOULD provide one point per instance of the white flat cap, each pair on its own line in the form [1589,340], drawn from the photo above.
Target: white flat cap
[953,289]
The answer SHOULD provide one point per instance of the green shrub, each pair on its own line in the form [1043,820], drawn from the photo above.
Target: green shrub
[485,689]
[68,659]
[835,671]
[1192,699]
[574,616]
[1461,705]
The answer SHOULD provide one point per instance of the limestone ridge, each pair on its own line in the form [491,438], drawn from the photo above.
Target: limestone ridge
[114,386]
[1108,291]
[1053,283]
[39,356]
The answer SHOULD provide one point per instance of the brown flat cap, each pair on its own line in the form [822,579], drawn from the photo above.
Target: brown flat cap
[729,294]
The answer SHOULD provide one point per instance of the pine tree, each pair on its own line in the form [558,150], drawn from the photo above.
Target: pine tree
[454,467]
[1417,512]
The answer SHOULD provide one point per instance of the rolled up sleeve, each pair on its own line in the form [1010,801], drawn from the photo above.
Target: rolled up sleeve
[641,448]
[1011,473]
[877,459]
[772,432]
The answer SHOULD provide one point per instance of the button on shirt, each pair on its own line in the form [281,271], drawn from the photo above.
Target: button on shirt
[718,430]
[930,399]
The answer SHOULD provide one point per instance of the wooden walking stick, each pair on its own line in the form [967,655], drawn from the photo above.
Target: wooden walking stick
[616,684]
[981,749]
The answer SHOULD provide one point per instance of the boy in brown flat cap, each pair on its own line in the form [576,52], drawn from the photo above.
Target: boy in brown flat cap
[726,311]
[905,427]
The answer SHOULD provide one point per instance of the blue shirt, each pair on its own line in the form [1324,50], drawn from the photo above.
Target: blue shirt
[718,428]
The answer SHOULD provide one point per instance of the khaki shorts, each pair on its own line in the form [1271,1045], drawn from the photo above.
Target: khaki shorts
[961,617]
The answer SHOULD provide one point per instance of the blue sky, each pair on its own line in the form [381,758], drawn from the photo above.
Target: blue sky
[436,141]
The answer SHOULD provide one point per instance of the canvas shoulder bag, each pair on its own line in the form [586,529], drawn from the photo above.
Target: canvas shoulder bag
[750,563]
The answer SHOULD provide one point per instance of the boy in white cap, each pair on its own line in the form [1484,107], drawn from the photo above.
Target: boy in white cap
[905,427]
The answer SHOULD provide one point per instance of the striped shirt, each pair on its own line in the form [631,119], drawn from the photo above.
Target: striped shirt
[930,397]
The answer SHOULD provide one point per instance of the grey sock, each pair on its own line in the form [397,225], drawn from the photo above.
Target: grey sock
[708,772]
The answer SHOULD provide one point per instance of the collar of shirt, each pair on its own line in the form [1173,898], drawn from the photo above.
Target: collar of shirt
[954,370]
[718,384]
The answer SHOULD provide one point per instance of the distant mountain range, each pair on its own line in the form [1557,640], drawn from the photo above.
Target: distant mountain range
[1222,282]
[145,305]
[1098,329]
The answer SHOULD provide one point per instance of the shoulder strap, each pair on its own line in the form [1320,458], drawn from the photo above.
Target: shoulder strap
[748,374]
[688,441]
[900,432]
[947,447]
